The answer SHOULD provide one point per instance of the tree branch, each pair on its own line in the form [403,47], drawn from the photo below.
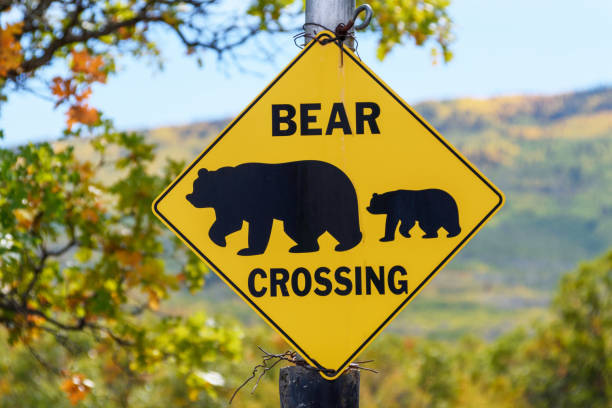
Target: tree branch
[73,32]
[41,360]
[5,5]
[68,38]
[45,254]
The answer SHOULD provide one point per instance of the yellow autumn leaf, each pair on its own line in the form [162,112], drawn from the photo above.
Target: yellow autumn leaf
[24,217]
[153,300]
[193,394]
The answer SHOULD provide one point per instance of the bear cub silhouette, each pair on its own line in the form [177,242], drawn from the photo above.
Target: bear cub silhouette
[309,197]
[432,208]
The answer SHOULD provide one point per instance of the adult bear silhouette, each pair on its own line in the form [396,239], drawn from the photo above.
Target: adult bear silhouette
[432,208]
[309,197]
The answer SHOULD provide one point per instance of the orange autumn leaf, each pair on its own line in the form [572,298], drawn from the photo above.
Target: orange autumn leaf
[37,320]
[63,88]
[124,33]
[85,171]
[409,344]
[76,91]
[10,48]
[77,387]
[82,96]
[90,215]
[72,301]
[66,88]
[82,114]
[91,67]
[128,258]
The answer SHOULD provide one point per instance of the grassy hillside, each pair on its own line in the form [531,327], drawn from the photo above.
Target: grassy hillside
[551,155]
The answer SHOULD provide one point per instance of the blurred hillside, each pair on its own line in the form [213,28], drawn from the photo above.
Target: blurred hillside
[552,157]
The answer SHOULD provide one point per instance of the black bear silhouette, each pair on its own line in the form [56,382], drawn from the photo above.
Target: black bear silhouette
[432,208]
[310,197]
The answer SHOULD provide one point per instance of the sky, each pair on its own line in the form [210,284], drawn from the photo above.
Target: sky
[503,47]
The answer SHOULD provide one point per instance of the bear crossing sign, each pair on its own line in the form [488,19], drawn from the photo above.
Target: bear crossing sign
[328,204]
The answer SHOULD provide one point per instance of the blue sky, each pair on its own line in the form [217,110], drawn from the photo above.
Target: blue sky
[503,47]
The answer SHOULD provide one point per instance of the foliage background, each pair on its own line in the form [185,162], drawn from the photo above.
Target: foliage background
[101,307]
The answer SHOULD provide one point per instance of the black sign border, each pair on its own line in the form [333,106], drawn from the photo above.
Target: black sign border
[329,372]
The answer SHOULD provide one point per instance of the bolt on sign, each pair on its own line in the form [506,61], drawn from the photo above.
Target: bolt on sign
[328,204]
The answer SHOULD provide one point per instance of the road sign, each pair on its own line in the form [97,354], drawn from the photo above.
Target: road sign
[328,204]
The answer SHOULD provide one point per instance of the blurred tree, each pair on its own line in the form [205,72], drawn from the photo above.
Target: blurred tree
[564,361]
[90,35]
[84,265]
[567,361]
[420,20]
[78,256]
[571,359]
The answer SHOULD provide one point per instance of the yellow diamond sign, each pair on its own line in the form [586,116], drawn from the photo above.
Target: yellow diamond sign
[328,204]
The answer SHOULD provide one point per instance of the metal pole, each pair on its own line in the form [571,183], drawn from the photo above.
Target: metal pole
[328,13]
[300,386]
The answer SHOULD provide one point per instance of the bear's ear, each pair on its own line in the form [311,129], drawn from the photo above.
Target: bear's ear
[202,172]
[375,195]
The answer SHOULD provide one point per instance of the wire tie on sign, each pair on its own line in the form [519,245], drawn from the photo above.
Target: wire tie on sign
[323,39]
[342,31]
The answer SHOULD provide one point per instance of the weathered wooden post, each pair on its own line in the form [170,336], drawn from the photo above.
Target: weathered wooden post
[304,387]
[300,386]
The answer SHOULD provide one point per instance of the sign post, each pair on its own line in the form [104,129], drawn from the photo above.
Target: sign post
[327,14]
[297,385]
[328,204]
[303,387]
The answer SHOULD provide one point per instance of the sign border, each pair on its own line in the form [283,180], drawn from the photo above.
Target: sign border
[331,374]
